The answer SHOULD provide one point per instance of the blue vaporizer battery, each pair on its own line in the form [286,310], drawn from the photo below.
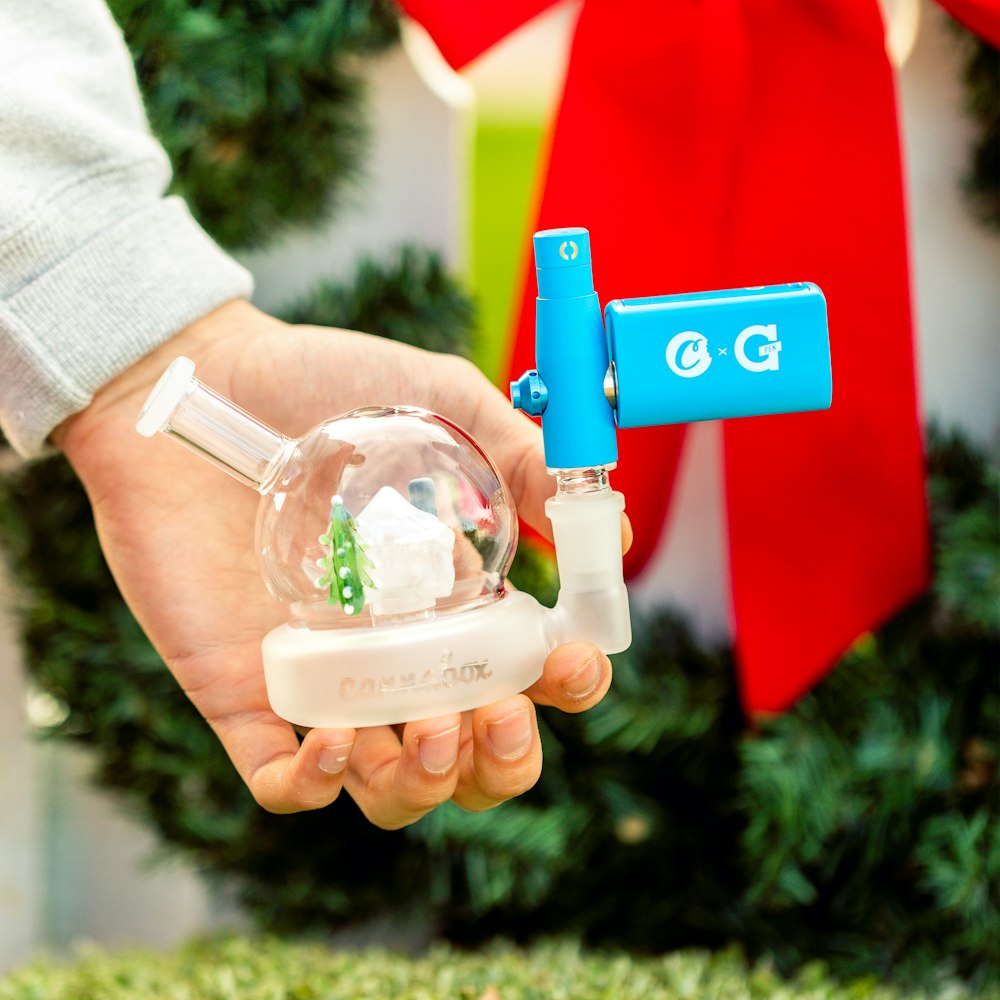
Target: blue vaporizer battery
[665,360]
[704,356]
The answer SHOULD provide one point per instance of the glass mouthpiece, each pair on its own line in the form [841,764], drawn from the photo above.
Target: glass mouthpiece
[185,409]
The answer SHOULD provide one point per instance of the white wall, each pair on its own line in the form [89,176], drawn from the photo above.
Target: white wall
[956,260]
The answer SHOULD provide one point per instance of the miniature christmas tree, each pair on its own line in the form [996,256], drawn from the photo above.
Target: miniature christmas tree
[346,568]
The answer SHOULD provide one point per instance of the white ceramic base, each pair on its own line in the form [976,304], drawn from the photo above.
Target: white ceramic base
[373,676]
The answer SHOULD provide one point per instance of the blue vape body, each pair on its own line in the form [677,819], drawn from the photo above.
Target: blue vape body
[738,353]
[662,360]
[571,355]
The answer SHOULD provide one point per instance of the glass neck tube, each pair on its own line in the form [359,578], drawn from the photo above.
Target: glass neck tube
[570,482]
[214,427]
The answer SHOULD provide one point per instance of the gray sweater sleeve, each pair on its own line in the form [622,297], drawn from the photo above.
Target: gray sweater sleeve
[97,267]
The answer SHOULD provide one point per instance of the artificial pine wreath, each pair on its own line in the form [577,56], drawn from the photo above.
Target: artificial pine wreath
[861,828]
[258,104]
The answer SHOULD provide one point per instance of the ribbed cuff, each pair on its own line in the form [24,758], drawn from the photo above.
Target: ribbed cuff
[96,312]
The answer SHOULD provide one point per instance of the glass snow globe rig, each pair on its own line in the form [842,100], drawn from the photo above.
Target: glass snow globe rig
[388,532]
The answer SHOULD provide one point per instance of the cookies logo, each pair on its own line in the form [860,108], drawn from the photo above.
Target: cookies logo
[687,354]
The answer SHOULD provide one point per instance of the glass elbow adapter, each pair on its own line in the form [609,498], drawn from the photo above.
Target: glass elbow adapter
[387,532]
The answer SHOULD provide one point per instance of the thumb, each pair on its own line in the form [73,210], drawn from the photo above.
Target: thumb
[514,442]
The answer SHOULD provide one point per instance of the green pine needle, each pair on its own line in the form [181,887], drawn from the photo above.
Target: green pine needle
[259,105]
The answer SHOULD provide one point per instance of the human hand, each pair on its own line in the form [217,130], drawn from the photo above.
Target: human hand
[176,535]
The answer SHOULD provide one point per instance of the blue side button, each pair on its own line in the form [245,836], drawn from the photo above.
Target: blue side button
[528,393]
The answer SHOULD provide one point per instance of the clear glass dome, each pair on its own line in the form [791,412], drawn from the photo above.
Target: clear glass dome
[382,515]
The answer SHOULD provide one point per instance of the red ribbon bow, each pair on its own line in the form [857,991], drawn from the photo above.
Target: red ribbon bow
[756,142]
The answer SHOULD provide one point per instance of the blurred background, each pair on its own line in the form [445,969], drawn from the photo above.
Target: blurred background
[860,828]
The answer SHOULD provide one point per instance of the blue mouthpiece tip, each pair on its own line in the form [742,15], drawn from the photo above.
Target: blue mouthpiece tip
[562,263]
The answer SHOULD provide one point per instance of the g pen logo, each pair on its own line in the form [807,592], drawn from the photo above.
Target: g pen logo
[693,350]
[767,352]
[688,353]
[573,250]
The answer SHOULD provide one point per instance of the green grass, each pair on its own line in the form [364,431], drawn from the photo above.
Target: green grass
[503,188]
[269,969]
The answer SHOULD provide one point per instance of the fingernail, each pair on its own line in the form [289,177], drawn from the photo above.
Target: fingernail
[333,760]
[583,680]
[439,752]
[511,736]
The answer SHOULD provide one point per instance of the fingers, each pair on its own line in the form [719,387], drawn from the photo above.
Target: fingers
[576,677]
[283,776]
[397,780]
[479,760]
[626,533]
[491,755]
[502,758]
